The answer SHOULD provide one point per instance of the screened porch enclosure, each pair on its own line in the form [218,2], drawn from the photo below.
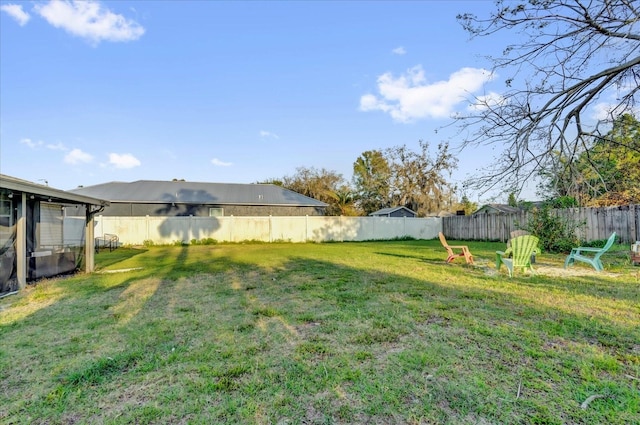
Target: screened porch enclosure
[54,243]
[57,243]
[41,234]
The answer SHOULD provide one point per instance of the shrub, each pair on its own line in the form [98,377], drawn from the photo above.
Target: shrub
[557,234]
[205,241]
[598,243]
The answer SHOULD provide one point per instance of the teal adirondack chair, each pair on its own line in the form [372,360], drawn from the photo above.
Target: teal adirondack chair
[521,249]
[593,256]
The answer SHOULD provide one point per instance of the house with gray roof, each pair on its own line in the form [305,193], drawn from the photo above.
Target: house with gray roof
[507,209]
[497,209]
[200,199]
[394,212]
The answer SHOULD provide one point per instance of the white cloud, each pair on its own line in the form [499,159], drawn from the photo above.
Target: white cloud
[399,51]
[369,102]
[76,156]
[609,106]
[30,143]
[88,19]
[268,134]
[410,97]
[601,111]
[125,160]
[217,162]
[485,101]
[16,12]
[57,147]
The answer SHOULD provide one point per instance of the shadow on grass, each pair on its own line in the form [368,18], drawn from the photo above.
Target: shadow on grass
[105,259]
[220,327]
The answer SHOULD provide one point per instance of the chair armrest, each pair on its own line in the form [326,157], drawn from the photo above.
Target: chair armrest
[586,249]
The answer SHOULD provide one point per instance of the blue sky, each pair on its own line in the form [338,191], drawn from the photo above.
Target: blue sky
[92,92]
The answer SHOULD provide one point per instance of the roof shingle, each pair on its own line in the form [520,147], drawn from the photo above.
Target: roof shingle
[182,192]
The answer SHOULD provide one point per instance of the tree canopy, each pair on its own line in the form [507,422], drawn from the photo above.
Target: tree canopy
[397,176]
[400,176]
[371,175]
[418,181]
[324,185]
[617,157]
[573,69]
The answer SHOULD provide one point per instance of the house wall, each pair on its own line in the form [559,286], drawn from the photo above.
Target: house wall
[168,230]
[185,210]
[401,213]
[487,210]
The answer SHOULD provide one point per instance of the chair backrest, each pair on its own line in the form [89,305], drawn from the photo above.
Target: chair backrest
[610,242]
[515,234]
[522,247]
[443,240]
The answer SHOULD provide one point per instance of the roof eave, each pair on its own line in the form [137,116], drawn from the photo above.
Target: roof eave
[123,201]
[19,185]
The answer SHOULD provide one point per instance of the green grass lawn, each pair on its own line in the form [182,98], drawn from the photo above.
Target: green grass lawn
[372,332]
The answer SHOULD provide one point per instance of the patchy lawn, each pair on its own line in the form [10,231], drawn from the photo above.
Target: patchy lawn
[374,332]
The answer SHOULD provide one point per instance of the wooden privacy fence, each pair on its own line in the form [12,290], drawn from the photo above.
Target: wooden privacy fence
[599,223]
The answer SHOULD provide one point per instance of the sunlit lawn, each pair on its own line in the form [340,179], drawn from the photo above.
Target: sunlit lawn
[374,332]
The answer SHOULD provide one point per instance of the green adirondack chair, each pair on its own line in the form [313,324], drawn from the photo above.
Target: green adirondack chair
[521,249]
[593,256]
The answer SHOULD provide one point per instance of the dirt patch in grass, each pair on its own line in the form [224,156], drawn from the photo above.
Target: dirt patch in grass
[550,269]
[554,270]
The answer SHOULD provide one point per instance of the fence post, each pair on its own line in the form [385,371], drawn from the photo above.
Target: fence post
[404,226]
[633,221]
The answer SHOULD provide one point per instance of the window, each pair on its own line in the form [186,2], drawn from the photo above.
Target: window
[6,210]
[216,212]
[7,232]
[50,227]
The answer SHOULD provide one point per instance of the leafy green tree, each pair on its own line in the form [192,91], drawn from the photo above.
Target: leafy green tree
[562,202]
[465,205]
[615,156]
[320,184]
[344,198]
[274,181]
[371,175]
[418,181]
[468,206]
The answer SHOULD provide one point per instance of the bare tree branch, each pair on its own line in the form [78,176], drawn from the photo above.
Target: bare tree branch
[573,56]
